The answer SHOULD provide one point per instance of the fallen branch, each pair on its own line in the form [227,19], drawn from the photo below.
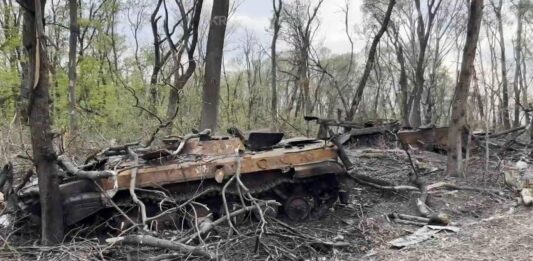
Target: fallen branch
[408,222]
[24,180]
[440,219]
[71,169]
[503,132]
[110,201]
[188,137]
[409,217]
[314,240]
[209,226]
[451,186]
[379,184]
[161,243]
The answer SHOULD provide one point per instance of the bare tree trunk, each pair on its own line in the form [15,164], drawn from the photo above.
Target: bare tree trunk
[523,87]
[505,84]
[153,92]
[369,62]
[182,77]
[213,64]
[274,98]
[458,119]
[477,95]
[423,32]
[402,81]
[44,156]
[73,44]
[518,59]
[303,81]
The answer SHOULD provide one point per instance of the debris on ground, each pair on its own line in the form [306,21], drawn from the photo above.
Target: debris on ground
[392,195]
[422,234]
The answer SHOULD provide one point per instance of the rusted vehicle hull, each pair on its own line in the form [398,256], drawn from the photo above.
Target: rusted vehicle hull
[301,174]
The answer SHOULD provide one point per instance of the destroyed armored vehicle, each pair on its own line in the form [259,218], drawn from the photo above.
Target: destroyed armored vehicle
[300,173]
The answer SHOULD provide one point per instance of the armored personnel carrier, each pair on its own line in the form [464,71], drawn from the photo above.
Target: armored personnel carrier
[300,173]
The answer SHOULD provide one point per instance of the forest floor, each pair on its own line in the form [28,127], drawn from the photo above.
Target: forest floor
[492,226]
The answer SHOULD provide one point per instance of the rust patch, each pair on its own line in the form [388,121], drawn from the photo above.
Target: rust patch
[213,147]
[207,166]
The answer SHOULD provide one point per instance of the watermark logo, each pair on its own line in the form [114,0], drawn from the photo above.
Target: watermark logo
[219,20]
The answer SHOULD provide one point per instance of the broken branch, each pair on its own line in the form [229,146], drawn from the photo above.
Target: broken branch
[133,181]
[210,226]
[451,186]
[379,184]
[71,169]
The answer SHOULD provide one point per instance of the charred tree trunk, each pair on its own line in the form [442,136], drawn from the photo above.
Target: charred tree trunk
[369,62]
[44,156]
[213,64]
[73,44]
[458,119]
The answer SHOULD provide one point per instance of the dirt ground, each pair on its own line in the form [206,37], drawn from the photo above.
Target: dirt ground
[493,226]
[504,236]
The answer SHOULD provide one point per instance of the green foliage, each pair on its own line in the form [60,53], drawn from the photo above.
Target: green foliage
[9,85]
[112,95]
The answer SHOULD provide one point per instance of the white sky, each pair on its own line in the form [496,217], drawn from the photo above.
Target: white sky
[255,15]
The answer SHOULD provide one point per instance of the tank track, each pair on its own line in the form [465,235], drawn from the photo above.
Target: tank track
[211,196]
[214,190]
[211,191]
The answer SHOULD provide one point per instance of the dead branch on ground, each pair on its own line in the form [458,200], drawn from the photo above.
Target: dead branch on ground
[210,226]
[161,243]
[450,186]
[379,184]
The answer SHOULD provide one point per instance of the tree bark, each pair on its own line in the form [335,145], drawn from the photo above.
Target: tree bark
[73,44]
[213,64]
[153,91]
[518,62]
[505,84]
[180,79]
[44,156]
[402,81]
[458,119]
[369,62]
[274,91]
[423,33]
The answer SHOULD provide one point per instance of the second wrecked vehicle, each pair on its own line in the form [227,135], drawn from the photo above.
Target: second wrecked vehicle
[300,173]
